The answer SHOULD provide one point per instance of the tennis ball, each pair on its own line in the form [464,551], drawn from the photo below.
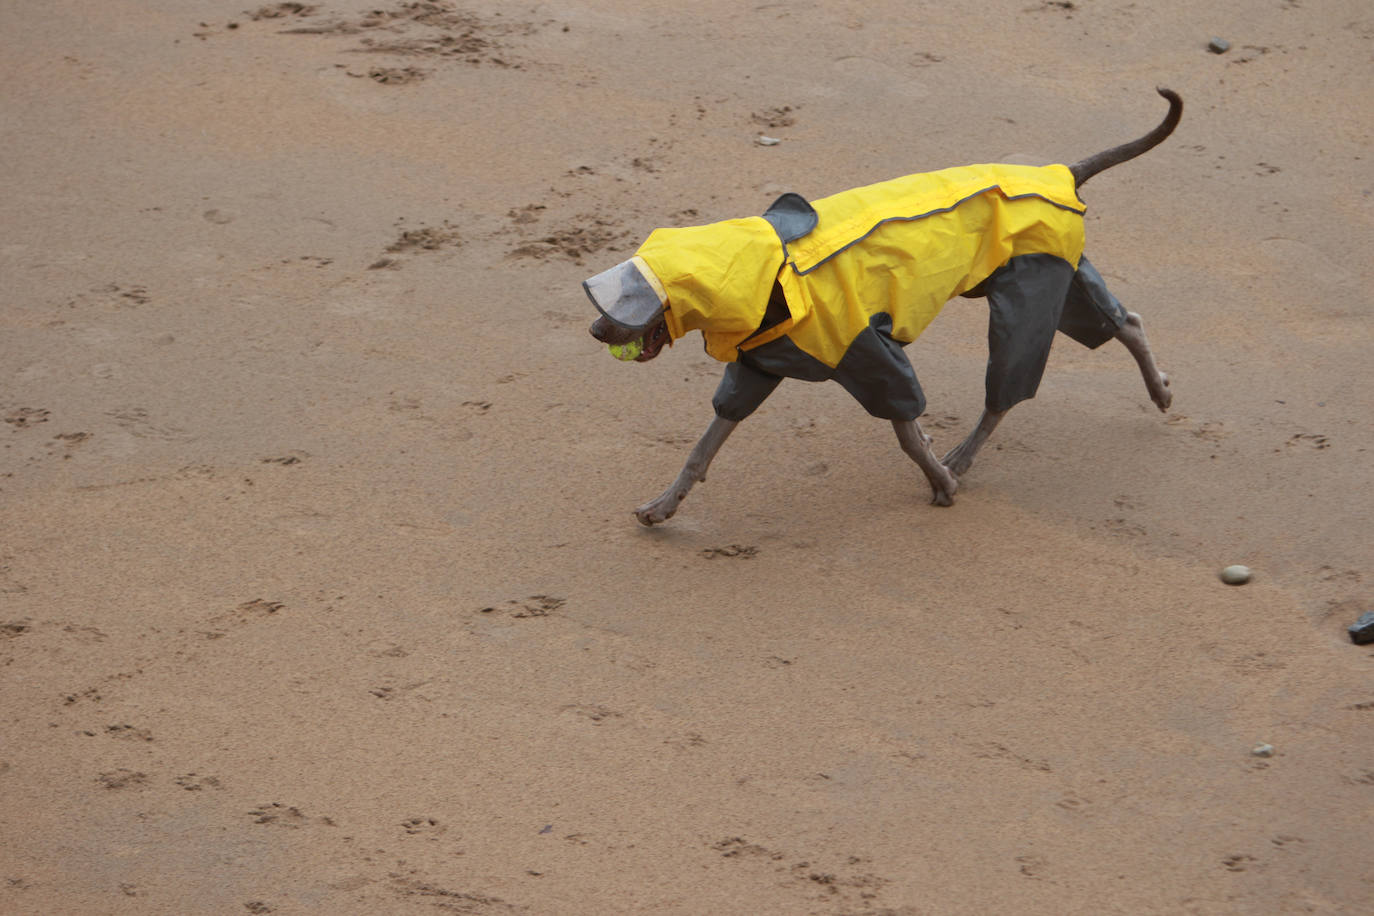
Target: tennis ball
[627,351]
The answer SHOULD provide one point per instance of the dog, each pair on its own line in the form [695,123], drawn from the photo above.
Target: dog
[836,288]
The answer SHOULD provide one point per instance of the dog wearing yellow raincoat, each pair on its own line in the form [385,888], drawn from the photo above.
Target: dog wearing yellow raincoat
[835,288]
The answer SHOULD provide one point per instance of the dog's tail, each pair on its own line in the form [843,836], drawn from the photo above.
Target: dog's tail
[1087,168]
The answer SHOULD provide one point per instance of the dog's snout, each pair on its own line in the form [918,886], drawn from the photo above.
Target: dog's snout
[608,332]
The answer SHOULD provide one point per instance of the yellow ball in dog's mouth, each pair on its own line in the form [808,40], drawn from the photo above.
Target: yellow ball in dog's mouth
[627,351]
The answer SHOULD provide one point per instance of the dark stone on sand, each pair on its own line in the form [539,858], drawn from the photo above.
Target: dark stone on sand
[1218,46]
[1362,630]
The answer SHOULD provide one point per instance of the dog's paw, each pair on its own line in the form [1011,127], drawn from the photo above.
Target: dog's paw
[943,494]
[657,511]
[1162,393]
[943,485]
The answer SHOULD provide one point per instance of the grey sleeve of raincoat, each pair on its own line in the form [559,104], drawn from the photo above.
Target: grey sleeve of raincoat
[1025,299]
[1092,315]
[742,389]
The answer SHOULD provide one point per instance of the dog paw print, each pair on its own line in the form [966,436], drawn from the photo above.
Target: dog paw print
[289,816]
[738,848]
[1310,440]
[194,782]
[25,417]
[734,551]
[426,238]
[422,826]
[14,629]
[389,692]
[282,11]
[122,779]
[286,460]
[1121,525]
[592,713]
[249,611]
[687,741]
[527,214]
[128,733]
[1211,431]
[1032,866]
[393,76]
[125,297]
[90,694]
[66,442]
[781,116]
[533,606]
[84,634]
[1239,862]
[589,235]
[1072,803]
[1067,7]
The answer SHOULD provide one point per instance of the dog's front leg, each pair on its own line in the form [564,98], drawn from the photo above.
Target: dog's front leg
[662,508]
[916,444]
[960,458]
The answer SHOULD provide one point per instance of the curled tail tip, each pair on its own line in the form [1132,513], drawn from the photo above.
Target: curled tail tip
[1087,168]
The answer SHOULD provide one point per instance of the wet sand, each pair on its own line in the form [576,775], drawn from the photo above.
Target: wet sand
[319,588]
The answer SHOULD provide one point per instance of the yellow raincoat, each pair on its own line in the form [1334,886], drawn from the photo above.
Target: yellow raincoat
[904,247]
[862,276]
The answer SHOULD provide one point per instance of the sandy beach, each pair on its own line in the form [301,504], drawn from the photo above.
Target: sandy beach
[320,591]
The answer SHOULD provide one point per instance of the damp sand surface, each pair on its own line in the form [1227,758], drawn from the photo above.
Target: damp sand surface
[319,588]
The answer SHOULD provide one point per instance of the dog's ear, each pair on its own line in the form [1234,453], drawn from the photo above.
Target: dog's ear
[791,216]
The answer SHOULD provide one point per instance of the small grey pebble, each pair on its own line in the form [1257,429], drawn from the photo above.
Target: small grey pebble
[1218,46]
[1263,750]
[761,140]
[1236,575]
[1362,630]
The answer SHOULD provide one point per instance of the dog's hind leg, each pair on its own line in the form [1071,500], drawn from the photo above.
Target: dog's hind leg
[916,444]
[694,471]
[1132,334]
[1024,298]
[960,458]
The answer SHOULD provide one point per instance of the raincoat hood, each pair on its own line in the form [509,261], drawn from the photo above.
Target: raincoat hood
[717,279]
